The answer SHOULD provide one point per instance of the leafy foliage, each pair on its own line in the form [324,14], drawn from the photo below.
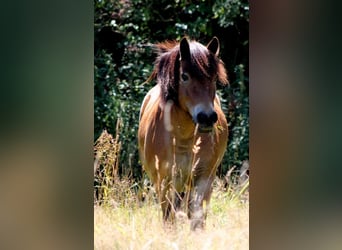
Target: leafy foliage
[230,12]
[124,32]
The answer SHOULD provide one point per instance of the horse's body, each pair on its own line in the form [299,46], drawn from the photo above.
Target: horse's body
[183,131]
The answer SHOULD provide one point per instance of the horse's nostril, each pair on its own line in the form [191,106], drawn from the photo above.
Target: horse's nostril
[213,117]
[202,118]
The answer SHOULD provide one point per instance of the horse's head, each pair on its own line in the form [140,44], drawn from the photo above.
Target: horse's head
[199,69]
[187,73]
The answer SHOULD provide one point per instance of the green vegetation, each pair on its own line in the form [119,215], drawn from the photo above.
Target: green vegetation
[124,32]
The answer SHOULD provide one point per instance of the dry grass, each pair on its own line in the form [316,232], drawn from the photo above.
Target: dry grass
[123,221]
[139,226]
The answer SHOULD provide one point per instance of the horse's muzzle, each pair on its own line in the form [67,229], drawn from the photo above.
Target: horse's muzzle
[206,121]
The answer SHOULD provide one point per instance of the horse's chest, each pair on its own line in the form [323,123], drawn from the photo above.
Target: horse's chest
[182,165]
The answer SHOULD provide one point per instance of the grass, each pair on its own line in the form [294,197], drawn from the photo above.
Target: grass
[139,225]
[123,221]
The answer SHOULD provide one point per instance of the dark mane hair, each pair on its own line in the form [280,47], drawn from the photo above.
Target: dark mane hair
[204,64]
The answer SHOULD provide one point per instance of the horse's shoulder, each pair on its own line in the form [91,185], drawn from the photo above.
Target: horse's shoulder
[151,98]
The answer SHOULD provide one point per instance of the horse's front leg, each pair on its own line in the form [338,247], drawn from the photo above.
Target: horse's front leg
[167,202]
[170,201]
[200,198]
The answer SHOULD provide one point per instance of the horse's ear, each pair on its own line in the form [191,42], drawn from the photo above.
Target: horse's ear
[214,46]
[184,49]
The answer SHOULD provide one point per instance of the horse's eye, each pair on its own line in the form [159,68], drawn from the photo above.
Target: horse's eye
[185,77]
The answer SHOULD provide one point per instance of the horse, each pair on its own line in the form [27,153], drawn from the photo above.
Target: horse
[183,132]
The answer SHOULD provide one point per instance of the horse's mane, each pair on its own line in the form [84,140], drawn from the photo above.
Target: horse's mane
[165,46]
[167,63]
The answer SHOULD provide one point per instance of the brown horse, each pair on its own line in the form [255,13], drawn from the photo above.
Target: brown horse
[183,132]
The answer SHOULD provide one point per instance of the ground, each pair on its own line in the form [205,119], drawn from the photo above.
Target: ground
[139,226]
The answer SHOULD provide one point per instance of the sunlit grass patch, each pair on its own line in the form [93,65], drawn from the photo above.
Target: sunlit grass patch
[140,226]
[127,215]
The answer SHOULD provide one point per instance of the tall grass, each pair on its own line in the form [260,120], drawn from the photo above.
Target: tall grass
[127,215]
[139,226]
